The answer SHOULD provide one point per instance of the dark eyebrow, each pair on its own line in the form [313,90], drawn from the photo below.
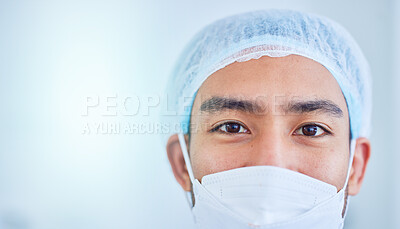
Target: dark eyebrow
[216,104]
[220,103]
[320,105]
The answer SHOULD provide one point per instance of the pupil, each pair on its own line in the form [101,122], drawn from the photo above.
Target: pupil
[309,130]
[232,127]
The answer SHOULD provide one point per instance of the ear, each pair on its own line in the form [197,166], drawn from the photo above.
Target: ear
[361,157]
[177,161]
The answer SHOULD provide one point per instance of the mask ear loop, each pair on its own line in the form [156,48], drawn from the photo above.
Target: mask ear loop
[352,149]
[352,152]
[185,153]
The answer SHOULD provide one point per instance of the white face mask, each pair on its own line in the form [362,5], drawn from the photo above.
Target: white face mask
[265,197]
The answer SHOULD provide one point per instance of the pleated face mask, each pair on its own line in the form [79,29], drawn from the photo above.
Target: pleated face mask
[266,197]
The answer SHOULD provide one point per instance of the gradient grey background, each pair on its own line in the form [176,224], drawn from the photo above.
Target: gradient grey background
[54,54]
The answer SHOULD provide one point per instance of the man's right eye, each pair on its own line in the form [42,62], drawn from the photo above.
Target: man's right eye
[231,128]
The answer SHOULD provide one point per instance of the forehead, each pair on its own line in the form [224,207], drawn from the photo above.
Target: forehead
[272,80]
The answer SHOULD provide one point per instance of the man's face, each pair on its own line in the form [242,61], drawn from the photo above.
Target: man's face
[287,112]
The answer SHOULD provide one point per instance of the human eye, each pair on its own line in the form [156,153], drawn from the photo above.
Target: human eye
[231,127]
[312,130]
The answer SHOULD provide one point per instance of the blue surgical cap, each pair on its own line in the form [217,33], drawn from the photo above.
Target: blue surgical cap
[273,33]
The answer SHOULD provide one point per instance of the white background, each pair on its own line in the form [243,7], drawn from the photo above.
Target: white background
[54,54]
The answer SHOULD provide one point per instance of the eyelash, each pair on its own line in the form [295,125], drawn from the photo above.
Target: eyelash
[326,131]
[218,128]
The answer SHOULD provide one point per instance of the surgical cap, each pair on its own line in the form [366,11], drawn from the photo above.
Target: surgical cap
[274,33]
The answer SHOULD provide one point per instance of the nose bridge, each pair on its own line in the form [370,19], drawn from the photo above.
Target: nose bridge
[269,149]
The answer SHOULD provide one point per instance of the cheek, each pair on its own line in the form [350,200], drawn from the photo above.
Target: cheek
[208,158]
[328,165]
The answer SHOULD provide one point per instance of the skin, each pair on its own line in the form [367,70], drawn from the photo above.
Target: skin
[277,133]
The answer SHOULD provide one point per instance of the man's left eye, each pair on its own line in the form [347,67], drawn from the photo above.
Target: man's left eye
[311,130]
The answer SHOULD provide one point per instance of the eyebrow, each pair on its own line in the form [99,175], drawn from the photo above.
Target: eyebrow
[217,104]
[319,105]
